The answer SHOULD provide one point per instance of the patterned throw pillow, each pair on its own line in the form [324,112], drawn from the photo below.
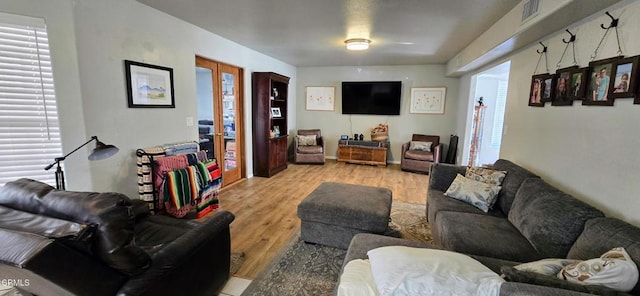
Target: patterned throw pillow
[546,266]
[309,140]
[486,175]
[614,269]
[420,146]
[478,194]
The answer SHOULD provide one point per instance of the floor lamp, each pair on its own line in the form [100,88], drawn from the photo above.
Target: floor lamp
[102,151]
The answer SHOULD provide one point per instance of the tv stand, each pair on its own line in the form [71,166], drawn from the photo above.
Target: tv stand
[363,152]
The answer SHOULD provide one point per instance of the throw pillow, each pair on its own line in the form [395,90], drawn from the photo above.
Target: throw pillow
[485,175]
[522,276]
[420,146]
[549,267]
[614,269]
[309,140]
[400,270]
[478,194]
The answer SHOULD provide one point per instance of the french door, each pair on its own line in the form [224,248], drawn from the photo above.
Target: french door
[220,116]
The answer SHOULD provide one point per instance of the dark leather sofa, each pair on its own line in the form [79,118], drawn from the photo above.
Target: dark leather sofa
[85,243]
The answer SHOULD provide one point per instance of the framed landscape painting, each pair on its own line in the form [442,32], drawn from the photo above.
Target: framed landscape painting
[149,86]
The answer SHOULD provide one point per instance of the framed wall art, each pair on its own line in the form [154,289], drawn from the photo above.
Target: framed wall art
[578,83]
[562,87]
[540,87]
[149,86]
[428,100]
[320,98]
[624,77]
[600,83]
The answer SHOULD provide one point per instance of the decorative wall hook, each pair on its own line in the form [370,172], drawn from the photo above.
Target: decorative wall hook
[544,48]
[614,22]
[572,39]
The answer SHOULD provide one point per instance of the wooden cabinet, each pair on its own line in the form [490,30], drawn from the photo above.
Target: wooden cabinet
[269,102]
[363,152]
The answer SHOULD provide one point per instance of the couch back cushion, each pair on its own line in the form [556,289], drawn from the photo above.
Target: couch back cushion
[550,219]
[111,213]
[601,235]
[511,183]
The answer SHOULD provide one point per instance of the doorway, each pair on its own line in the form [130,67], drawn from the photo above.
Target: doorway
[484,126]
[220,116]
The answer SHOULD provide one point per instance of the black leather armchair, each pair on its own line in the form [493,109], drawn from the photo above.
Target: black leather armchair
[85,243]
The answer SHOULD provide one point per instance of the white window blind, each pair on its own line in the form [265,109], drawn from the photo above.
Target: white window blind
[29,129]
[498,119]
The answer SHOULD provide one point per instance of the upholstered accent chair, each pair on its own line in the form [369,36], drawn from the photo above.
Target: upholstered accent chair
[308,147]
[420,153]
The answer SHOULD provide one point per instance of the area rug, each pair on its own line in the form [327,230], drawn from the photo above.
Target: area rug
[305,269]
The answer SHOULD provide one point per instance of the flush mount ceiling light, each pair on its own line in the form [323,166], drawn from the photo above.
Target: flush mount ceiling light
[357,44]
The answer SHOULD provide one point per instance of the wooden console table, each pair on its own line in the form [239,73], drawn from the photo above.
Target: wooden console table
[363,152]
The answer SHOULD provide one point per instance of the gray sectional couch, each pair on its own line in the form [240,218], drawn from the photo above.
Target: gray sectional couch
[531,220]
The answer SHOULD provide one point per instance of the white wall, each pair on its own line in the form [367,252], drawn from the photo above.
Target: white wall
[333,123]
[58,16]
[589,151]
[109,32]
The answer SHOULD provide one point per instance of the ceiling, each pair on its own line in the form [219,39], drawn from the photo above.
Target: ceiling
[312,32]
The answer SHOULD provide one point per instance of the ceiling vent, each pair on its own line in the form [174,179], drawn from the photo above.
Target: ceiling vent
[530,9]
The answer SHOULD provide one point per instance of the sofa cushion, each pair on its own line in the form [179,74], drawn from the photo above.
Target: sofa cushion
[308,140]
[437,202]
[24,194]
[309,149]
[550,266]
[482,235]
[522,276]
[603,234]
[511,183]
[478,194]
[550,219]
[614,269]
[485,175]
[420,146]
[419,155]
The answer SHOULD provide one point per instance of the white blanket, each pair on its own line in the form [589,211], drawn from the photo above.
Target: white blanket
[408,271]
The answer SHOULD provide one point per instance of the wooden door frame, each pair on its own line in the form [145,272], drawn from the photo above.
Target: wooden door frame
[217,82]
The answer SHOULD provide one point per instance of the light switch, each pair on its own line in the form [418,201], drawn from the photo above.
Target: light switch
[189,121]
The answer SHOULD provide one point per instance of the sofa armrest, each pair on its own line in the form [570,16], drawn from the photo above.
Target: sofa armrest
[441,175]
[363,242]
[320,142]
[437,153]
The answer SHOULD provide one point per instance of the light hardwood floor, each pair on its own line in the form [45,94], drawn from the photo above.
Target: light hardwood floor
[266,208]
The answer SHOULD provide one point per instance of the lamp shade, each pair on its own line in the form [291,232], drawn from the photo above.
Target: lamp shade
[103,151]
[357,44]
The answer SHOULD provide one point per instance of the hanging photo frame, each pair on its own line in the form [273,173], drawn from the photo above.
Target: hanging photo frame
[562,87]
[537,89]
[624,78]
[600,82]
[578,83]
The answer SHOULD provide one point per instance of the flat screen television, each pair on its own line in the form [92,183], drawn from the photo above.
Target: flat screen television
[371,97]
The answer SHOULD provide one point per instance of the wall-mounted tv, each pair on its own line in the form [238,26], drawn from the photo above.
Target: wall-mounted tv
[371,97]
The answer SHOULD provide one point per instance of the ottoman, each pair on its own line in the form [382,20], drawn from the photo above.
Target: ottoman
[334,212]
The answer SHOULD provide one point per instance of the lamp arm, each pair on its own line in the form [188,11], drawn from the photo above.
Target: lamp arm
[59,159]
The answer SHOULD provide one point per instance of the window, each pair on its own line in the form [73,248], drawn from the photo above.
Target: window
[29,129]
[498,119]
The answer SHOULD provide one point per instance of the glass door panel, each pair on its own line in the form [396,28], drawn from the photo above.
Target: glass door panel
[205,95]
[229,121]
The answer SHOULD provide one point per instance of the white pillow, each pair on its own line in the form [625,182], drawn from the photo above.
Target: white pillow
[614,269]
[408,271]
[357,280]
[420,146]
[309,140]
[478,194]
[549,267]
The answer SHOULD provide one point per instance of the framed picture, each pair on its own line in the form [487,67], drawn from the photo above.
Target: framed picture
[275,112]
[539,89]
[428,100]
[578,83]
[149,86]
[625,78]
[320,98]
[600,83]
[562,87]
